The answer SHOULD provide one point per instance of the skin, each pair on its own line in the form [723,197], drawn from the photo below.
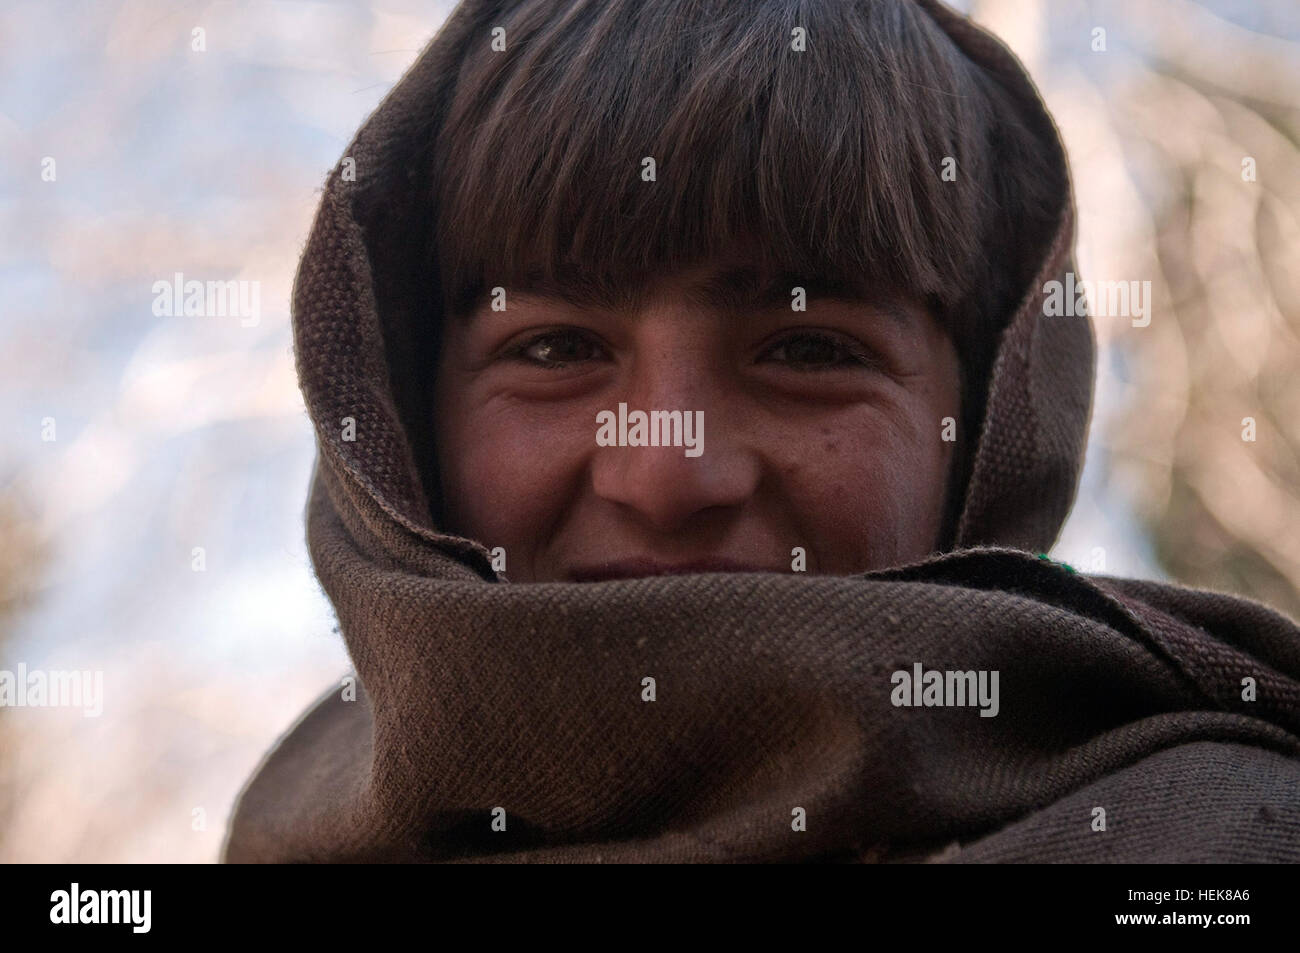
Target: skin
[830,443]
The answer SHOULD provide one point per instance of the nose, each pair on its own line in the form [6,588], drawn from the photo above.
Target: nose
[661,487]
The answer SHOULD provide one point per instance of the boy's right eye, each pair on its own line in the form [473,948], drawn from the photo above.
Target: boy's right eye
[556,349]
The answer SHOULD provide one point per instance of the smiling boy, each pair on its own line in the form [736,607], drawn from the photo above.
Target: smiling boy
[827,229]
[809,274]
[800,406]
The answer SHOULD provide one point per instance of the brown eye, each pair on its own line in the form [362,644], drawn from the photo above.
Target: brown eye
[557,348]
[817,352]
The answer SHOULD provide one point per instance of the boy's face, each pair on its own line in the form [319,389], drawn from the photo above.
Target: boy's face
[821,429]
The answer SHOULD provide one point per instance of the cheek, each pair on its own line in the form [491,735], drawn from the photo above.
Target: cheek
[867,486]
[507,473]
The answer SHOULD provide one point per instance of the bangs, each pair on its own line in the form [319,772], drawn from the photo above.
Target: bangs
[825,163]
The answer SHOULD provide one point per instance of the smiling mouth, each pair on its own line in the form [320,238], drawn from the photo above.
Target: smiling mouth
[638,568]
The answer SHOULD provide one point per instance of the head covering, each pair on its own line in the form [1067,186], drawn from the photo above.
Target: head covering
[495,721]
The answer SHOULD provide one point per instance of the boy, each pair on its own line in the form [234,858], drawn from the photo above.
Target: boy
[820,233]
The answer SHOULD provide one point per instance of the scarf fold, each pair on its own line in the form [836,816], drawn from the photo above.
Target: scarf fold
[742,717]
[775,699]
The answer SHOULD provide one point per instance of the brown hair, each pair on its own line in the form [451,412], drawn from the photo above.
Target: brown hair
[831,157]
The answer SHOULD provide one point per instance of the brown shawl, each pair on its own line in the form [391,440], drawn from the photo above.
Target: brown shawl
[773,693]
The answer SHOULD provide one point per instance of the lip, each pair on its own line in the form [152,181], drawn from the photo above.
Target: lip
[639,568]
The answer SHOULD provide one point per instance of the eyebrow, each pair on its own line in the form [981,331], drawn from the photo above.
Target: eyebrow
[585,291]
[734,292]
[741,290]
[737,292]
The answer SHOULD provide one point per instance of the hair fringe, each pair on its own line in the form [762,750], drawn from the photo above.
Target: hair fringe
[825,162]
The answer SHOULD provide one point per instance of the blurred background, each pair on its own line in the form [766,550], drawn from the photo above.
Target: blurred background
[133,441]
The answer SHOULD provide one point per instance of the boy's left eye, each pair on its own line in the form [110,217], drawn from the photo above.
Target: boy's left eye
[555,349]
[812,351]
